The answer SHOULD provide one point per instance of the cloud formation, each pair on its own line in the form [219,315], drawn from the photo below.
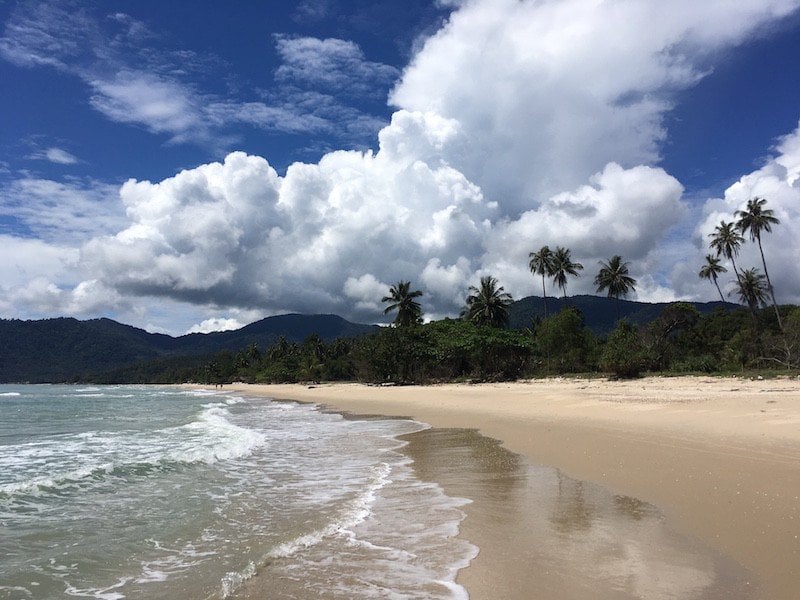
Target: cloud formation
[556,90]
[553,138]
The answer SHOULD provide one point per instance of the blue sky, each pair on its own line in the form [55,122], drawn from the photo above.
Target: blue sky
[198,165]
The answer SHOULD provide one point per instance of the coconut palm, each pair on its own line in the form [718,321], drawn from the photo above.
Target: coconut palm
[613,276]
[711,271]
[409,311]
[541,263]
[753,220]
[751,289]
[726,240]
[487,304]
[563,266]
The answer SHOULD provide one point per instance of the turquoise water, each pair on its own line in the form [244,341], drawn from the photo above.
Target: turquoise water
[155,492]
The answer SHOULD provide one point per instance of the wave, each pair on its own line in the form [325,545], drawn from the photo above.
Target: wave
[10,394]
[352,513]
[208,439]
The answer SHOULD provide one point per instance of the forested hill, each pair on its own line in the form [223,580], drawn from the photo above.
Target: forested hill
[599,312]
[66,349]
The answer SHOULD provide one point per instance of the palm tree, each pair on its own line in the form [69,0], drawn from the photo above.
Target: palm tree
[711,270]
[752,290]
[726,241]
[541,263]
[613,276]
[755,219]
[563,266]
[487,304]
[409,311]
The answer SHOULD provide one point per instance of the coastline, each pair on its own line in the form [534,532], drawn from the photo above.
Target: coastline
[719,457]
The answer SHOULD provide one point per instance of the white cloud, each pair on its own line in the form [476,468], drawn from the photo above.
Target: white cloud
[367,291]
[215,324]
[22,260]
[622,211]
[161,105]
[59,156]
[333,64]
[549,92]
[69,212]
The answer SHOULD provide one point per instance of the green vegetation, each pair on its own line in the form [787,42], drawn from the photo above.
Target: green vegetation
[679,340]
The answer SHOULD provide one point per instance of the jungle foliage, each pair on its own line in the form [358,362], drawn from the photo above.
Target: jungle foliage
[679,340]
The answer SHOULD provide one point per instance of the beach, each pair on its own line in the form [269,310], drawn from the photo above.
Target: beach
[716,459]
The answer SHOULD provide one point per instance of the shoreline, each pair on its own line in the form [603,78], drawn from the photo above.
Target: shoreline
[719,457]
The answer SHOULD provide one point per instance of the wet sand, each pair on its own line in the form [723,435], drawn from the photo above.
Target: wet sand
[713,465]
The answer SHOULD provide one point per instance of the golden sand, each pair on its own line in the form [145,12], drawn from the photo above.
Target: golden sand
[719,456]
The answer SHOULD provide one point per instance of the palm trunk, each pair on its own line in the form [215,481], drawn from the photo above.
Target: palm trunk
[721,297]
[769,285]
[735,270]
[544,296]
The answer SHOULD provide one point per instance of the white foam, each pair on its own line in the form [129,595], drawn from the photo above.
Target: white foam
[10,394]
[107,593]
[40,466]
[232,580]
[353,513]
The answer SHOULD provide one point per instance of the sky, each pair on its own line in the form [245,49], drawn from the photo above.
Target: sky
[197,165]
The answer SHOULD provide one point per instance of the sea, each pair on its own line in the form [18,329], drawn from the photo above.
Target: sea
[113,492]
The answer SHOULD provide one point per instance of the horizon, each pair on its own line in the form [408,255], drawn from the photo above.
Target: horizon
[198,167]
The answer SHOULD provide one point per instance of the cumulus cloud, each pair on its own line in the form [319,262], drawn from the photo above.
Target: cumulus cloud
[237,234]
[550,92]
[621,211]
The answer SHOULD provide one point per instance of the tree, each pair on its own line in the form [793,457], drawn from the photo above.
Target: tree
[623,353]
[563,266]
[755,219]
[727,241]
[541,263]
[613,276]
[487,304]
[565,342]
[409,311]
[752,290]
[711,271]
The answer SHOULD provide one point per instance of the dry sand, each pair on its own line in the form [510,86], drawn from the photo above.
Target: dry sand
[720,458]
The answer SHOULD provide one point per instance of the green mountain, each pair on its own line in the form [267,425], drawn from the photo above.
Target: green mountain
[66,349]
[599,312]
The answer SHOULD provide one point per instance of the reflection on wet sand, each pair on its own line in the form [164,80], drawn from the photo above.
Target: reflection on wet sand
[547,536]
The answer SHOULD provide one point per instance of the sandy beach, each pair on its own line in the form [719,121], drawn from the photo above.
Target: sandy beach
[718,458]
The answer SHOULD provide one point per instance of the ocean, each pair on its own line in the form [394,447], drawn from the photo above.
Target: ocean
[113,492]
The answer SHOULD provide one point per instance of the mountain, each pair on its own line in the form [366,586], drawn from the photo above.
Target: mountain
[599,312]
[66,349]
